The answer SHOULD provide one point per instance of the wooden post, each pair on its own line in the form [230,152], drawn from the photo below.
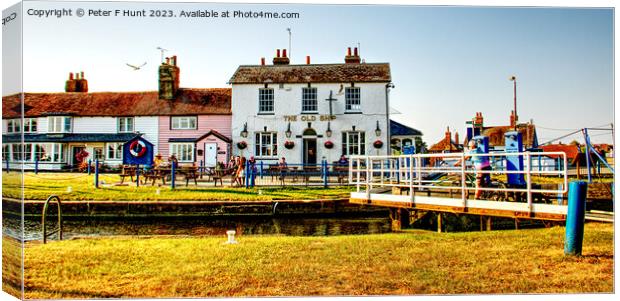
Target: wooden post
[395,219]
[488,223]
[516,224]
[438,222]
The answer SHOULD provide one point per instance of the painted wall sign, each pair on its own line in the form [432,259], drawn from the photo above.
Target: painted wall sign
[302,118]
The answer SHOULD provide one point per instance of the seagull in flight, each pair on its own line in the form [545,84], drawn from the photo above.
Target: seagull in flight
[135,68]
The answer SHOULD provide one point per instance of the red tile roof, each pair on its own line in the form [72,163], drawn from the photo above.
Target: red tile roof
[445,145]
[571,150]
[313,73]
[213,101]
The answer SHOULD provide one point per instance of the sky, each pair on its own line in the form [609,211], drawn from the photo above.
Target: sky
[447,62]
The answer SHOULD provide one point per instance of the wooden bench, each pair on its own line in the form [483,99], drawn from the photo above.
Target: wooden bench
[218,175]
[127,171]
[191,173]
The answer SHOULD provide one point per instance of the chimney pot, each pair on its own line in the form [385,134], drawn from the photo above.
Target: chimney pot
[167,61]
[174,60]
[355,51]
[262,61]
[307,60]
[82,75]
[349,51]
[283,52]
[70,75]
[277,52]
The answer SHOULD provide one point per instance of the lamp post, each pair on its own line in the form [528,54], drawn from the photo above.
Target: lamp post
[514,80]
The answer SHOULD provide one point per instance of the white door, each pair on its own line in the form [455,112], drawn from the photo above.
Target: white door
[210,154]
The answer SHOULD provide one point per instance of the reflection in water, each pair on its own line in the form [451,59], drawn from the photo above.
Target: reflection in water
[292,226]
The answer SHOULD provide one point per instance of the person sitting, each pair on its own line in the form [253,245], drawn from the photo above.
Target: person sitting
[157,161]
[343,161]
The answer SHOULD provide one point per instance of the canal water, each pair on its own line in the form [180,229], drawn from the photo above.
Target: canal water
[289,226]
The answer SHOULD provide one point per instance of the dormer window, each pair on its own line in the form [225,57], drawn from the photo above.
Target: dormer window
[59,124]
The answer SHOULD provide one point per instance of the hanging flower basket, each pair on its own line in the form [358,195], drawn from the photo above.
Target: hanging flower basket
[378,144]
[289,144]
[328,144]
[242,145]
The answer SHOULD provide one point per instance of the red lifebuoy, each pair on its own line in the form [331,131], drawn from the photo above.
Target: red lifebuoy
[136,151]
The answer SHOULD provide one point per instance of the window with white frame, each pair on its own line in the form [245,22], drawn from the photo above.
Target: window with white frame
[353,143]
[183,123]
[308,100]
[265,100]
[352,98]
[49,152]
[184,152]
[16,149]
[13,126]
[114,151]
[266,144]
[30,125]
[59,124]
[5,152]
[97,153]
[125,124]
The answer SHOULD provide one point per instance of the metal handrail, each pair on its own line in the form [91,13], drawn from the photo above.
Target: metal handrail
[379,171]
[44,215]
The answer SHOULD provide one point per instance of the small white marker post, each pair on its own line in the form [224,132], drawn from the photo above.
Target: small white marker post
[231,237]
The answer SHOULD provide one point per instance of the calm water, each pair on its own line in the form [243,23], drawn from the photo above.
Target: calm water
[298,226]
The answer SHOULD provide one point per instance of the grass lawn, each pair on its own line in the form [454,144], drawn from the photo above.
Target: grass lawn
[40,186]
[415,262]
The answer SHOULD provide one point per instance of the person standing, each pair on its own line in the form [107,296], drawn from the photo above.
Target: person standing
[252,170]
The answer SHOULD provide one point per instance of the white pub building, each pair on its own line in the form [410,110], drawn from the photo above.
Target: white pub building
[311,112]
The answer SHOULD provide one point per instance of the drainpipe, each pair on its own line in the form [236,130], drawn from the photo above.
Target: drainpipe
[387,116]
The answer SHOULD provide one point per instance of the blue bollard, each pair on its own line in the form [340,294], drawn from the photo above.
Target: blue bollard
[7,165]
[172,175]
[247,174]
[88,168]
[325,174]
[261,169]
[36,166]
[575,217]
[137,175]
[96,173]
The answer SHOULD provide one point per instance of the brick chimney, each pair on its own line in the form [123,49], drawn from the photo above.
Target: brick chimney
[70,84]
[352,59]
[456,138]
[169,74]
[77,83]
[479,121]
[513,118]
[281,60]
[448,135]
[81,84]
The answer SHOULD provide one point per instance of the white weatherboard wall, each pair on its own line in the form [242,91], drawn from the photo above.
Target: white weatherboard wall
[89,125]
[149,127]
[287,102]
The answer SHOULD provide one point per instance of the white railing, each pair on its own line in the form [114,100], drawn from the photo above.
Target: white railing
[450,172]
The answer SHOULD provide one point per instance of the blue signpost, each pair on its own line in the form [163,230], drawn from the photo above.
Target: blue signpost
[514,144]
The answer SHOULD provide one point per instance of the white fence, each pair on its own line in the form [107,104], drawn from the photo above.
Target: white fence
[454,172]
